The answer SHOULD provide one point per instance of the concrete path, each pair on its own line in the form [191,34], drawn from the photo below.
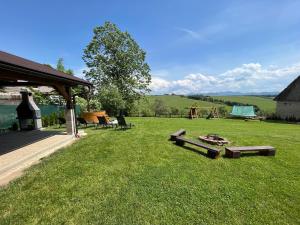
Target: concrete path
[20,150]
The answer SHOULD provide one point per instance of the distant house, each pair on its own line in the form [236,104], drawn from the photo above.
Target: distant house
[288,101]
[12,96]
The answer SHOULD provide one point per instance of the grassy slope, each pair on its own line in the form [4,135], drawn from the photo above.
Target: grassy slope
[139,177]
[264,103]
[181,102]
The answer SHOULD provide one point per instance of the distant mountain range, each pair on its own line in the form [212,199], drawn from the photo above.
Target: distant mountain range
[230,93]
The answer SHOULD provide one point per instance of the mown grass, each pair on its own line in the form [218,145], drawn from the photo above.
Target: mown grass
[139,177]
[266,104]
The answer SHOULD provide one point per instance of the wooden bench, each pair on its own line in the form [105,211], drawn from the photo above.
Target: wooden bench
[235,152]
[211,152]
[177,134]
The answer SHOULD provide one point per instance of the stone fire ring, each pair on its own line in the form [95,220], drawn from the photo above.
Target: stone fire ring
[212,141]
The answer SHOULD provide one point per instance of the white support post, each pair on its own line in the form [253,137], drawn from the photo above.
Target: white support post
[70,121]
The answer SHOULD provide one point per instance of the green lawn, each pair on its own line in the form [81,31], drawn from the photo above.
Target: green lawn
[139,177]
[264,103]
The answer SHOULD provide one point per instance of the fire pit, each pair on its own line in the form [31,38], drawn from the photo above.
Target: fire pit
[214,139]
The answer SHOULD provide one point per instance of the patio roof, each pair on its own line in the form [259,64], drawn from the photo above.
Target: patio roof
[14,68]
[287,95]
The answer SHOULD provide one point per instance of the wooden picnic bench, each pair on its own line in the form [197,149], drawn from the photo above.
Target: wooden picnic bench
[235,152]
[211,152]
[176,134]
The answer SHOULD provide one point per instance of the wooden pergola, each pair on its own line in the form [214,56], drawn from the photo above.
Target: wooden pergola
[17,71]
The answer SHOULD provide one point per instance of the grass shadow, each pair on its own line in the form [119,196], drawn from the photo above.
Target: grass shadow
[102,128]
[245,155]
[121,129]
[194,150]
[58,128]
[281,122]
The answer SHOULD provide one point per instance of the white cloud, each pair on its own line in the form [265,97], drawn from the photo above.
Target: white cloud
[158,84]
[251,77]
[191,33]
[204,34]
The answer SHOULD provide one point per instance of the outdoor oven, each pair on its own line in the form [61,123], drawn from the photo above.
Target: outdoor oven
[29,114]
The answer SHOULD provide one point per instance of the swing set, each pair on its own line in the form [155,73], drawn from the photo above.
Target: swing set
[194,112]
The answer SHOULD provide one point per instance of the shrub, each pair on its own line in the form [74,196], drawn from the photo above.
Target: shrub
[51,119]
[223,112]
[203,112]
[146,112]
[160,108]
[175,111]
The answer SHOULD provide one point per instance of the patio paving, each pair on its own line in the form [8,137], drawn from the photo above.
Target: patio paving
[20,150]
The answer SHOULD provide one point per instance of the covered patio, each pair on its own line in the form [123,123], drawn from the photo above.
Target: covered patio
[17,71]
[21,149]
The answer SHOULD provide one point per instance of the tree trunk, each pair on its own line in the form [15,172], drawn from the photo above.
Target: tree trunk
[88,107]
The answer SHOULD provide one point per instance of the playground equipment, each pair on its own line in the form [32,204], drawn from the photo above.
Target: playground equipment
[193,112]
[214,113]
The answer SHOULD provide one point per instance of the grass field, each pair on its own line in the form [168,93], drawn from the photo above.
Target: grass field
[181,102]
[139,177]
[264,103]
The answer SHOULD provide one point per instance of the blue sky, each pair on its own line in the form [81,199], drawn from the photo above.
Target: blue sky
[192,46]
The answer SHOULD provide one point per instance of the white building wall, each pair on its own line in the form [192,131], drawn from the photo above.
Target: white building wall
[288,109]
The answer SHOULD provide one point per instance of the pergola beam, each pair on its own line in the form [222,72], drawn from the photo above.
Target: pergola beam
[19,84]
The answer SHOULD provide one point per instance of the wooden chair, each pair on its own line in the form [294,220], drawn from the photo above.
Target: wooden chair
[103,122]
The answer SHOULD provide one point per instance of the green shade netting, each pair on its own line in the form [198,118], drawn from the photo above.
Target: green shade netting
[8,113]
[243,111]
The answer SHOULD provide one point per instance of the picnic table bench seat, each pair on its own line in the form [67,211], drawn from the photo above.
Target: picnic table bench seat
[211,152]
[235,152]
[176,134]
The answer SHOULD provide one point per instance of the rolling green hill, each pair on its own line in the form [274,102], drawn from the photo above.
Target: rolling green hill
[181,101]
[266,104]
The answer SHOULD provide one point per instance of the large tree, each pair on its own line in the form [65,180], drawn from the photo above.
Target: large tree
[115,61]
